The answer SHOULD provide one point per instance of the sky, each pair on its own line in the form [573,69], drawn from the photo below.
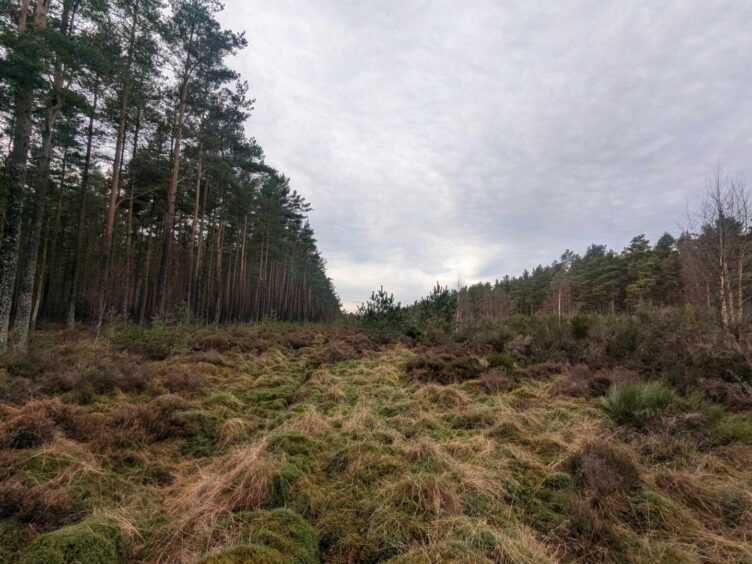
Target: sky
[443,140]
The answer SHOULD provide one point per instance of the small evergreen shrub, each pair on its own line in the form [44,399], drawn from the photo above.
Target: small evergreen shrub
[581,325]
[381,315]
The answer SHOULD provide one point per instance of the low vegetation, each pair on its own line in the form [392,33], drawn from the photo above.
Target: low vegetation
[522,442]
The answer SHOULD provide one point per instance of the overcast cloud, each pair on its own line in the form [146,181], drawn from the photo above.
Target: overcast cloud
[437,139]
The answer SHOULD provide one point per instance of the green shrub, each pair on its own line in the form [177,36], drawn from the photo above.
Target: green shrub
[503,360]
[581,325]
[381,315]
[155,342]
[630,404]
[624,342]
[734,429]
[91,542]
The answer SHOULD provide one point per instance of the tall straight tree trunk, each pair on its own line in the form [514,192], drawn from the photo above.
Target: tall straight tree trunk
[73,298]
[146,275]
[218,267]
[16,180]
[50,242]
[129,229]
[104,284]
[22,322]
[39,284]
[20,331]
[172,196]
[194,232]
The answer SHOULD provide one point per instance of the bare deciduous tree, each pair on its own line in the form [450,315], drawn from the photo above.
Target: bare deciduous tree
[715,250]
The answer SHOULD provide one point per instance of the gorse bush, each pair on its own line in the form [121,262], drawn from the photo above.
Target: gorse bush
[630,404]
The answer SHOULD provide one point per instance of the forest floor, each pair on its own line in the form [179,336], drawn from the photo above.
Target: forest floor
[307,444]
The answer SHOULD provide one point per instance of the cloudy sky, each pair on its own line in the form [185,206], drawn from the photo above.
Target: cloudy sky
[438,139]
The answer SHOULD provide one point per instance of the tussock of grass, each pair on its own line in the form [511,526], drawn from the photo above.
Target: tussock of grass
[637,406]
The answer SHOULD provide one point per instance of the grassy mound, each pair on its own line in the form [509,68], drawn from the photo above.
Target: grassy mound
[280,535]
[93,541]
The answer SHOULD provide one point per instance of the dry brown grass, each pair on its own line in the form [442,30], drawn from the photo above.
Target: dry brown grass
[311,422]
[441,396]
[200,499]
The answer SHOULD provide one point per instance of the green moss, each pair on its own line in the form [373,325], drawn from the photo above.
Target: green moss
[201,433]
[280,535]
[224,399]
[398,408]
[292,443]
[90,542]
[378,469]
[650,510]
[44,466]
[13,536]
[282,483]
[558,481]
[390,529]
[444,551]
[343,536]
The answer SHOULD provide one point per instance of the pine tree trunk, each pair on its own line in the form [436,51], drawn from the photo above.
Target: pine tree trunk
[172,195]
[129,230]
[22,322]
[104,284]
[16,180]
[193,248]
[73,298]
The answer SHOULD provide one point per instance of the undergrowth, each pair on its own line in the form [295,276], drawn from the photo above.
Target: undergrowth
[277,443]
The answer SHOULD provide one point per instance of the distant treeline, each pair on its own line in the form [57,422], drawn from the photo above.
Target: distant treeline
[599,281]
[707,266]
[128,182]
